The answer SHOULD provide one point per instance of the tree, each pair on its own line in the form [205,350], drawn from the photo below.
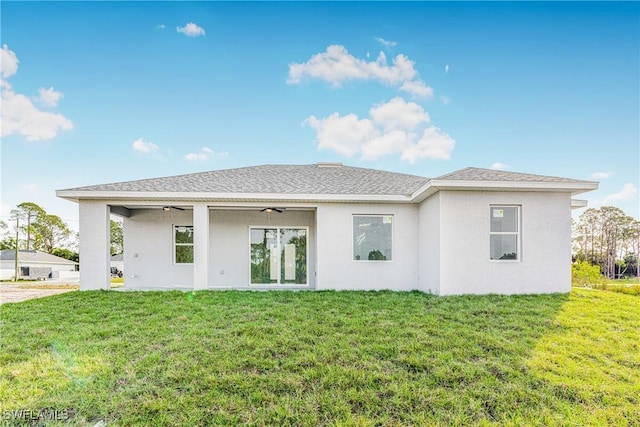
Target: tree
[6,241]
[117,240]
[49,232]
[66,254]
[30,212]
[605,237]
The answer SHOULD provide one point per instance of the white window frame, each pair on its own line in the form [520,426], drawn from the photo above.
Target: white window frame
[517,233]
[175,244]
[393,249]
[278,228]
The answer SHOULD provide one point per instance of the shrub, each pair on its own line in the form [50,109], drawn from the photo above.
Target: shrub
[583,274]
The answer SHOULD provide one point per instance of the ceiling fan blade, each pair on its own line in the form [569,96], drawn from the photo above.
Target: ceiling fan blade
[175,207]
[277,210]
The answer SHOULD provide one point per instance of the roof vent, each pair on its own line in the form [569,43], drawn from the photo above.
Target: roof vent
[329,164]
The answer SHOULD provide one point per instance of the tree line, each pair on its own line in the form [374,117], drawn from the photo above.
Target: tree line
[42,231]
[609,238]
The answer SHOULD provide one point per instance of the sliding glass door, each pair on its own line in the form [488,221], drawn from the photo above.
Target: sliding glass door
[278,256]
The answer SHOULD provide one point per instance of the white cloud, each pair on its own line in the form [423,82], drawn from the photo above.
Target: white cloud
[143,146]
[500,166]
[8,62]
[191,30]
[601,175]
[161,26]
[385,43]
[18,115]
[627,193]
[399,114]
[434,144]
[446,68]
[417,88]
[336,66]
[393,127]
[344,135]
[203,154]
[49,97]
[445,100]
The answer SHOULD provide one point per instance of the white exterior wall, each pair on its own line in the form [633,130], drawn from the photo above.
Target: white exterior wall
[336,268]
[7,268]
[94,245]
[429,245]
[230,263]
[545,263]
[148,250]
[149,234]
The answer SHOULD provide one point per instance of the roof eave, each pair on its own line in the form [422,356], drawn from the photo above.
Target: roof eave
[436,185]
[77,195]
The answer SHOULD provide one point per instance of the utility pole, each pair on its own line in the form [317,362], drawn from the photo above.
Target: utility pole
[17,214]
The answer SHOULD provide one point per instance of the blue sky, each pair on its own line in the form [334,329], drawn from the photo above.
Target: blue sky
[113,91]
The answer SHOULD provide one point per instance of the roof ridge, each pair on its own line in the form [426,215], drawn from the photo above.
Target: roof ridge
[503,173]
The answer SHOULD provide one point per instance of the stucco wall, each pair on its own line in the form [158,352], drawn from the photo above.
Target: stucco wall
[148,250]
[336,267]
[94,245]
[230,247]
[149,234]
[545,264]
[429,245]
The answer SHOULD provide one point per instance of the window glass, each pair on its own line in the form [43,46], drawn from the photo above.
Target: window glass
[504,218]
[372,238]
[293,256]
[264,244]
[504,246]
[183,238]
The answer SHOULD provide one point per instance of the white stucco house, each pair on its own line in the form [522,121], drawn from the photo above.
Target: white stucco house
[330,226]
[47,265]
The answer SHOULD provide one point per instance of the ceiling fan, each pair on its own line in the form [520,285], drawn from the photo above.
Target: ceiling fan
[168,208]
[269,210]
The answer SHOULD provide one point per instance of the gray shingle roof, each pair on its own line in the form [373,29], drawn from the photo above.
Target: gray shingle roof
[281,179]
[27,256]
[478,174]
[315,180]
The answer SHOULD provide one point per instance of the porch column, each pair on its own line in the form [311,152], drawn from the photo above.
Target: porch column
[95,242]
[200,246]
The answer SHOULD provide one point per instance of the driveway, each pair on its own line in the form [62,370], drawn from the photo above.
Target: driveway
[14,293]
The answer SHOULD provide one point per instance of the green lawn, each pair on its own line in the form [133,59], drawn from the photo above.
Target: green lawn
[324,358]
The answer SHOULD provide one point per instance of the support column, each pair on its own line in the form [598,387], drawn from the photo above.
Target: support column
[200,246]
[95,242]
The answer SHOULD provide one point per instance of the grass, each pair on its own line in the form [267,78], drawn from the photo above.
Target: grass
[630,286]
[324,358]
[50,286]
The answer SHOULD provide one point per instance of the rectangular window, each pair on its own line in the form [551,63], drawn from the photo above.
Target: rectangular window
[183,244]
[372,237]
[504,233]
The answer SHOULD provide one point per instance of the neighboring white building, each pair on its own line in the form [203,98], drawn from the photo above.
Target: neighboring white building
[30,259]
[117,261]
[329,226]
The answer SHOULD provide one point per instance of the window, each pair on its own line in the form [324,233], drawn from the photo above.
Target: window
[183,244]
[372,237]
[505,233]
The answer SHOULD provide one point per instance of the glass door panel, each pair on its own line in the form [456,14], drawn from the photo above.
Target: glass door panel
[264,255]
[293,256]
